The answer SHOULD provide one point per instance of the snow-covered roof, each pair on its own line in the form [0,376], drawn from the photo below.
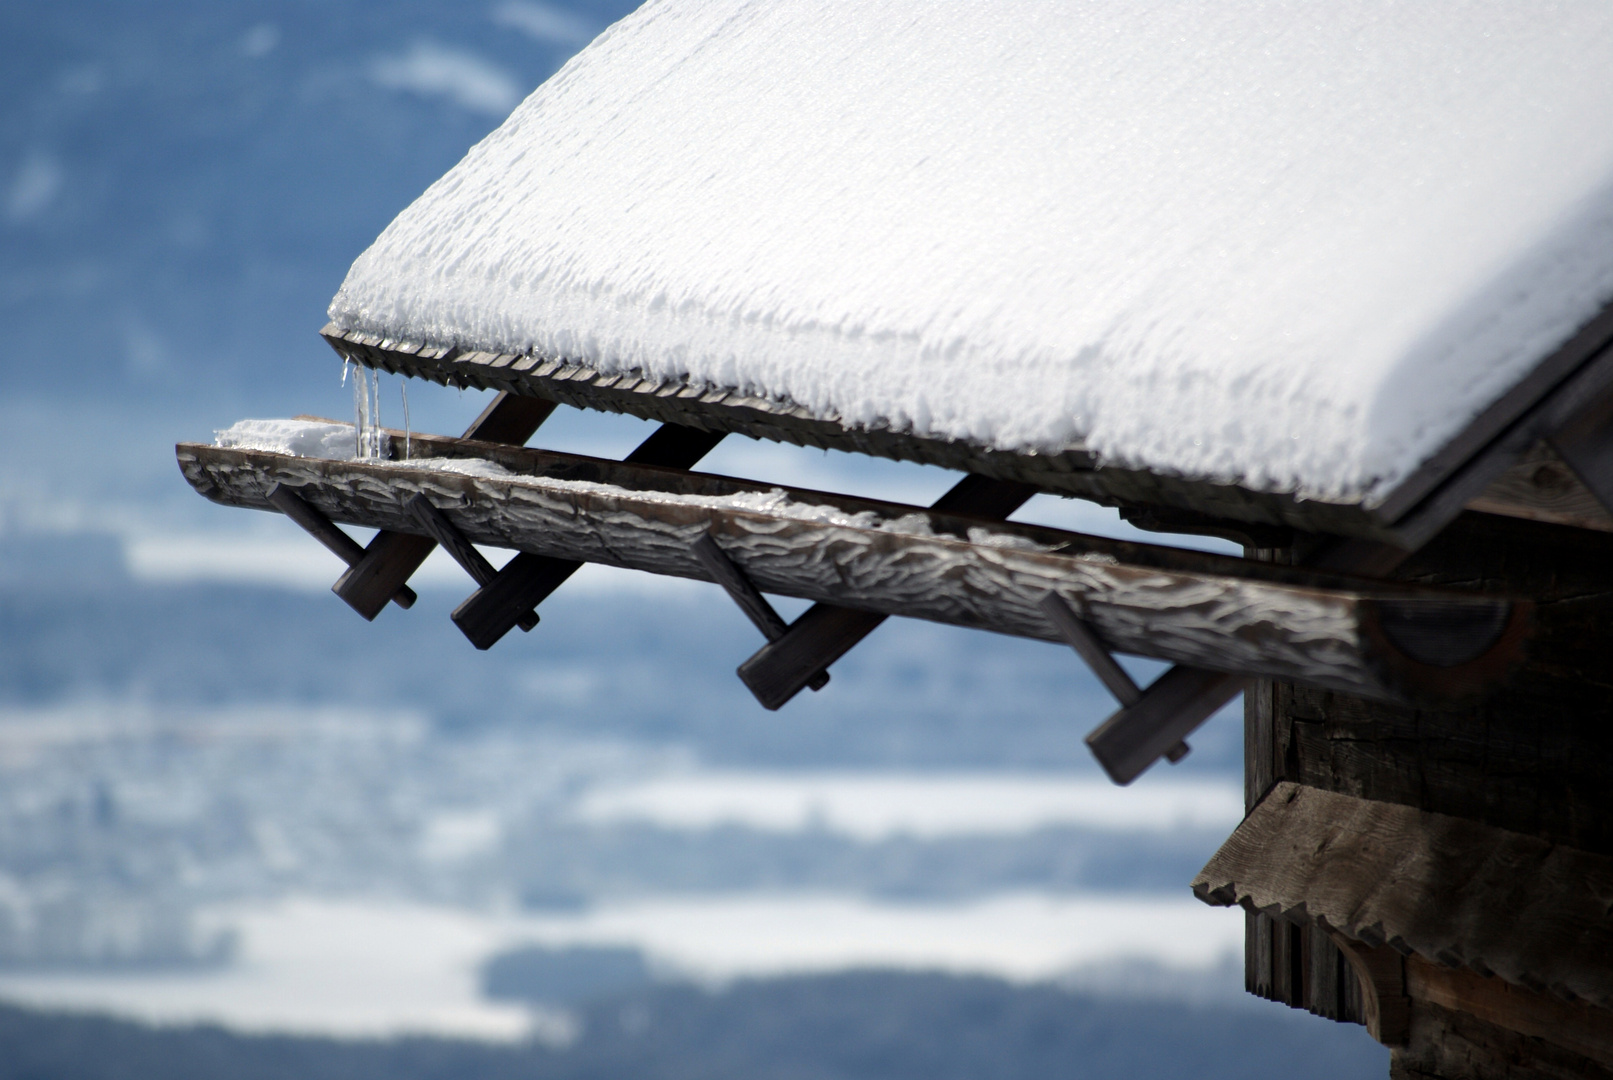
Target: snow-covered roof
[1292,246]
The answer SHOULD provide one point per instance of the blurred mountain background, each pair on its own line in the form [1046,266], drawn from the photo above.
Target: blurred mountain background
[303,845]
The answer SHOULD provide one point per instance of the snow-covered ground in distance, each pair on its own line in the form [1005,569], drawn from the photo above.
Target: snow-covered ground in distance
[879,805]
[374,968]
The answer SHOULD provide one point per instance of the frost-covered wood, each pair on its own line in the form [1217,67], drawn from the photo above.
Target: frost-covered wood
[1210,611]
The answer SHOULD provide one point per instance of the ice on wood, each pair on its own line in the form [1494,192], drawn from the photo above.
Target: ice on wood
[1292,246]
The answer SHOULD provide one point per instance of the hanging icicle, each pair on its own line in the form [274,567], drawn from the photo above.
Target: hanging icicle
[403,388]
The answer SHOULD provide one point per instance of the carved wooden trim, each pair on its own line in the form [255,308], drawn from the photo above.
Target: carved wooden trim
[1381,973]
[1452,891]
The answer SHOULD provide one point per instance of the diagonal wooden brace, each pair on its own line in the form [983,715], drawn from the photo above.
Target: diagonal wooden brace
[1173,706]
[392,558]
[725,572]
[527,580]
[824,633]
[324,530]
[1087,646]
[448,536]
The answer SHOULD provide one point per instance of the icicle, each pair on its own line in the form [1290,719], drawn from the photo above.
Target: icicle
[361,411]
[403,388]
[375,415]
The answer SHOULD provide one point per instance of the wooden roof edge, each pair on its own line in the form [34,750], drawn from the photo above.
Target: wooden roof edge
[1220,509]
[1490,478]
[1455,892]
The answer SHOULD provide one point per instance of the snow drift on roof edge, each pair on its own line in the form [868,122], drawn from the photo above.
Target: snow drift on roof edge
[1293,246]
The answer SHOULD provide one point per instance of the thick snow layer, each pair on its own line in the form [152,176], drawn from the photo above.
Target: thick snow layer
[1293,245]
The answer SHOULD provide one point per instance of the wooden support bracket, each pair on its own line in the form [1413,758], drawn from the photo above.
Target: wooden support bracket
[725,572]
[527,580]
[454,542]
[824,633]
[1381,971]
[392,557]
[324,530]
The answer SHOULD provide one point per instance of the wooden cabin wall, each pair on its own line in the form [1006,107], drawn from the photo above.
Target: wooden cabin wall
[1535,757]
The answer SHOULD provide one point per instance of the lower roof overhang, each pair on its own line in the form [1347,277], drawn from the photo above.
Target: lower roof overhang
[1452,891]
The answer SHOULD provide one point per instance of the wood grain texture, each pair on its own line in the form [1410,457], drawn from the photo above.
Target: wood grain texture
[1452,891]
[1243,617]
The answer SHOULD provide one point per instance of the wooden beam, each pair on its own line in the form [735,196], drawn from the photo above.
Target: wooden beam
[1381,973]
[823,633]
[436,525]
[746,596]
[1575,1026]
[391,559]
[528,579]
[321,528]
[1217,612]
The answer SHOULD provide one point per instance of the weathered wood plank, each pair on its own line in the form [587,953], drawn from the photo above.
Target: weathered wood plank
[1535,756]
[1217,612]
[1575,1026]
[1446,1044]
[1452,891]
